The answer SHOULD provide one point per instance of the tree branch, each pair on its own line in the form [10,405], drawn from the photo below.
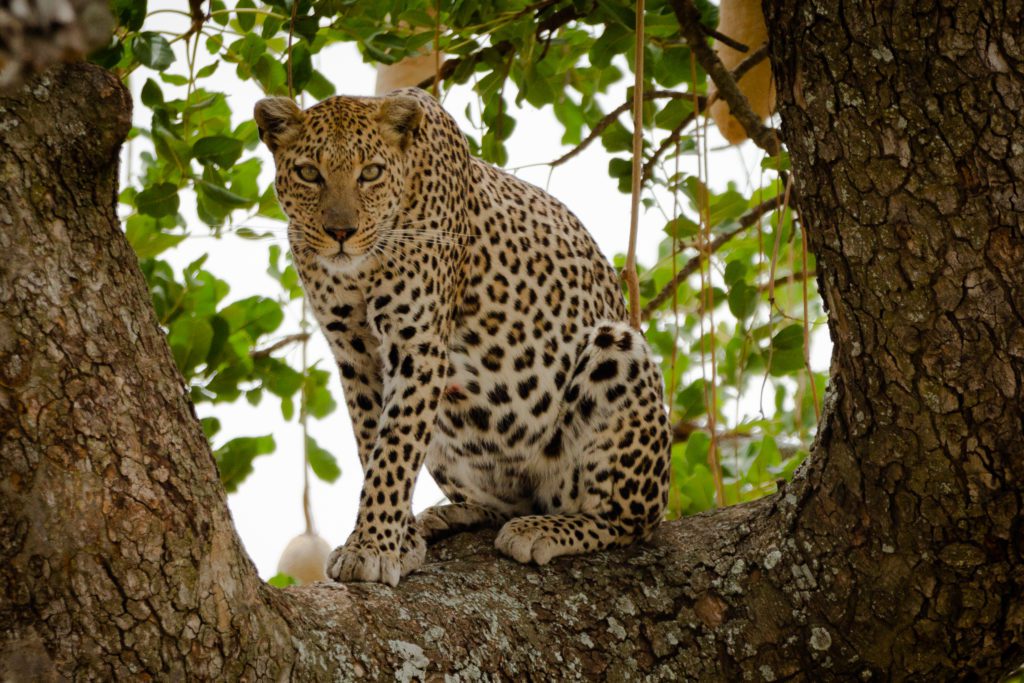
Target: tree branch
[692,28]
[279,344]
[691,266]
[609,118]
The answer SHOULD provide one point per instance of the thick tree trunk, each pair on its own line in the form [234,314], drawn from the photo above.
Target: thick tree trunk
[895,553]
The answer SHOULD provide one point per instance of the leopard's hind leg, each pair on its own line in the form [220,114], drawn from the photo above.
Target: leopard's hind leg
[604,474]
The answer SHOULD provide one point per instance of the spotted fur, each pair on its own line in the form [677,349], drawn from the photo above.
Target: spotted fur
[477,329]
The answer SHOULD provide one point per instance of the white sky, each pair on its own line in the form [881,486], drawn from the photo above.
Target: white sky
[267,508]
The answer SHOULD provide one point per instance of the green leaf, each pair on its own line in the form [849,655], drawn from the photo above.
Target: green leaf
[256,315]
[690,400]
[159,200]
[234,459]
[727,206]
[323,464]
[146,238]
[318,86]
[681,227]
[246,20]
[743,299]
[207,70]
[787,352]
[281,380]
[673,114]
[280,580]
[790,337]
[152,96]
[153,50]
[189,339]
[110,55]
[130,13]
[302,65]
[616,138]
[696,452]
[222,196]
[218,149]
[211,426]
[734,272]
[174,79]
[615,41]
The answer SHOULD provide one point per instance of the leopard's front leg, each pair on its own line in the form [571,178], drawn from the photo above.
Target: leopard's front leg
[413,354]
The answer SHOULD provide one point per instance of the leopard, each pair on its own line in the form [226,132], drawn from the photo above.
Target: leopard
[478,331]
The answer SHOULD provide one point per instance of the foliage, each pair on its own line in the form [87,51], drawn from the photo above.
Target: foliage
[732,336]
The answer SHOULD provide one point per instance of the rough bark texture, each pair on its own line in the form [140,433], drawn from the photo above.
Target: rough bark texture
[895,553]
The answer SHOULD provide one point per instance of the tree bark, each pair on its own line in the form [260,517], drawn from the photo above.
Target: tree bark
[895,553]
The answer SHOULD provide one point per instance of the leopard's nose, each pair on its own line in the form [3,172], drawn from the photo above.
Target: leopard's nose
[340,234]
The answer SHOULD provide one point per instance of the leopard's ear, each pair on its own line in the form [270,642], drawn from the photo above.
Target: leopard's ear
[279,120]
[399,117]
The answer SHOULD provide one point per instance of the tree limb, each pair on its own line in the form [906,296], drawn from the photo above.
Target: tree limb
[692,28]
[296,338]
[691,266]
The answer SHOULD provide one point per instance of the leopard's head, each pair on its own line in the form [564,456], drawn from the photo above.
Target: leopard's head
[342,170]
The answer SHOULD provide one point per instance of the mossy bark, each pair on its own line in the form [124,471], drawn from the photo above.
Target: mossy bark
[894,553]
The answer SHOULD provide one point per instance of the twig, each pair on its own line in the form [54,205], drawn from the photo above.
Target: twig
[550,24]
[665,145]
[791,279]
[451,64]
[691,266]
[703,103]
[291,33]
[610,118]
[724,39]
[632,281]
[689,21]
[279,344]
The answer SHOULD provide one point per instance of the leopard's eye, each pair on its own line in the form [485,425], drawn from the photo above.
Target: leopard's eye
[371,173]
[308,173]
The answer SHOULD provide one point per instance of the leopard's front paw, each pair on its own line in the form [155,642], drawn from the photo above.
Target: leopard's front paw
[414,550]
[360,560]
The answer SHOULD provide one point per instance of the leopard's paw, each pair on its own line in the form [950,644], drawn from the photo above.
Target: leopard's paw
[528,539]
[441,521]
[360,560]
[414,551]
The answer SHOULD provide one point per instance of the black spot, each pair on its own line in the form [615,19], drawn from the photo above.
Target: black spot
[587,407]
[364,402]
[542,405]
[554,447]
[337,326]
[357,345]
[481,417]
[626,343]
[527,386]
[615,392]
[382,301]
[605,370]
[393,356]
[342,311]
[407,367]
[499,395]
[347,370]
[407,332]
[604,340]
[505,423]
